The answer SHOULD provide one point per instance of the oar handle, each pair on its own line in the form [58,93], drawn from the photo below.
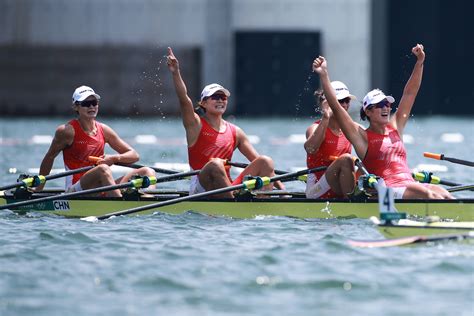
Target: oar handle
[95,159]
[433,156]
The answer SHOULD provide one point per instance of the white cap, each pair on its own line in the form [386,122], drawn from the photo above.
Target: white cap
[212,88]
[82,93]
[342,91]
[374,97]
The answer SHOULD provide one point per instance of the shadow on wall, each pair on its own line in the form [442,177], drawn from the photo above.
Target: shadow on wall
[132,81]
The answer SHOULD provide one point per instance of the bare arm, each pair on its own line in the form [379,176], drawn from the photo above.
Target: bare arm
[125,153]
[316,132]
[353,131]
[191,121]
[410,92]
[63,137]
[244,145]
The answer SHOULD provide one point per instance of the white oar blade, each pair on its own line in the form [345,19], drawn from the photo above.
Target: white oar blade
[91,219]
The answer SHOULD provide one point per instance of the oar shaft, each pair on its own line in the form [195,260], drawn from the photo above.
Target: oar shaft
[459,161]
[461,188]
[177,176]
[245,165]
[205,194]
[48,177]
[95,159]
[69,172]
[138,166]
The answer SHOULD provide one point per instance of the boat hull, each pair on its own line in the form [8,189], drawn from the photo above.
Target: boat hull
[406,228]
[456,210]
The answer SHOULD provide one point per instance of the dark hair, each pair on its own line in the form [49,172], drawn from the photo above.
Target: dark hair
[199,110]
[363,115]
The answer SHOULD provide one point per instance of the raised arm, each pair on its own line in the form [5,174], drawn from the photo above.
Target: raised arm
[353,131]
[410,92]
[315,133]
[191,121]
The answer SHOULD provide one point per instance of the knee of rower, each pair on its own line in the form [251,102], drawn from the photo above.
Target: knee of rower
[345,161]
[215,165]
[264,161]
[146,171]
[104,170]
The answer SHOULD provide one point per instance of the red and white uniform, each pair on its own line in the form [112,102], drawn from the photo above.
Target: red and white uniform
[211,144]
[387,158]
[83,146]
[332,145]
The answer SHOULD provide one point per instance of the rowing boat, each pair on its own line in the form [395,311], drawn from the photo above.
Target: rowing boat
[290,204]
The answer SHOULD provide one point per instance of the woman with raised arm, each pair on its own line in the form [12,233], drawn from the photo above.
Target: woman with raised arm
[380,146]
[212,140]
[326,145]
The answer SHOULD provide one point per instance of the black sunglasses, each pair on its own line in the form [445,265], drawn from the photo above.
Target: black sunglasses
[88,103]
[382,104]
[216,97]
[345,100]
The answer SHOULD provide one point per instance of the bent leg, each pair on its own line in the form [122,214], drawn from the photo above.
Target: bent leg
[262,166]
[214,176]
[99,176]
[340,175]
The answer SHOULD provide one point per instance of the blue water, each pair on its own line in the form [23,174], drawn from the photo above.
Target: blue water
[194,264]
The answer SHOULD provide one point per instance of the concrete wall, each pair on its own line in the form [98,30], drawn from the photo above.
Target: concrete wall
[205,27]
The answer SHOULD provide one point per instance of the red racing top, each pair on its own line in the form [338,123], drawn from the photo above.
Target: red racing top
[212,144]
[332,145]
[387,158]
[83,146]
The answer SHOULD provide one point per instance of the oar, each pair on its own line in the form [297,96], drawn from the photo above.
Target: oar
[303,177]
[462,188]
[450,159]
[403,241]
[136,166]
[256,183]
[37,180]
[141,182]
[245,165]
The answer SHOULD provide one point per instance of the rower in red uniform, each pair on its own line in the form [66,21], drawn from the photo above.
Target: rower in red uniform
[212,140]
[380,146]
[83,137]
[327,146]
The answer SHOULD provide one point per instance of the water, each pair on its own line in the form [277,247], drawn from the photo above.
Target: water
[195,264]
